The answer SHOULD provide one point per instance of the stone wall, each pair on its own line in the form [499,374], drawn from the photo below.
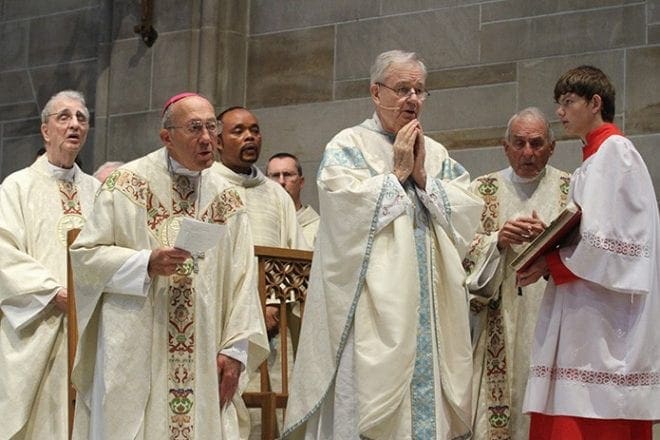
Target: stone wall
[303,65]
[45,46]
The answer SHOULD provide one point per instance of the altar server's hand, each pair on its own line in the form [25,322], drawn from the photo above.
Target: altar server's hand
[538,269]
[229,370]
[164,260]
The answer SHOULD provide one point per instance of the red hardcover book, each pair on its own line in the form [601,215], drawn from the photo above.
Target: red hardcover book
[554,235]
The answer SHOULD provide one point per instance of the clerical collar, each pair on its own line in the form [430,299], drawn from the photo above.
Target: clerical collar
[176,168]
[59,173]
[519,179]
[596,137]
[380,129]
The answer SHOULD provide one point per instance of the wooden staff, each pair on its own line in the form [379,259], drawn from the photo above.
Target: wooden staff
[72,325]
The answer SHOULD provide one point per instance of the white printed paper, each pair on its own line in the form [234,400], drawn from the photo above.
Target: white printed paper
[196,237]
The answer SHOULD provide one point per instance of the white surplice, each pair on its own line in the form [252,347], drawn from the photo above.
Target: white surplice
[39,205]
[385,348]
[146,361]
[596,348]
[503,320]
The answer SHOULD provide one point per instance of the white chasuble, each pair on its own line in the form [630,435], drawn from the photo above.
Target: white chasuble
[37,211]
[503,319]
[385,348]
[146,365]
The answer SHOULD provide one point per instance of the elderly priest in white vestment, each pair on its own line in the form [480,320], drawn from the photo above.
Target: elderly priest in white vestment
[39,205]
[385,346]
[520,201]
[166,337]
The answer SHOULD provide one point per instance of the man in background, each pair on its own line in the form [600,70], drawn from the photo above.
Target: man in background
[272,217]
[285,169]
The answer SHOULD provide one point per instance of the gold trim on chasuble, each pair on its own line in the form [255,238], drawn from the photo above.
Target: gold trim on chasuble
[498,398]
[72,217]
[181,305]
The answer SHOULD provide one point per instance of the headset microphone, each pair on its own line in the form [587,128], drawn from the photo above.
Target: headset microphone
[387,108]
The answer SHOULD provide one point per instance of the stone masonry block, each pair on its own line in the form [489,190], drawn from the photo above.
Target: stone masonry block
[508,9]
[171,66]
[19,152]
[232,65]
[563,34]
[132,136]
[537,78]
[79,76]
[444,38]
[22,110]
[642,90]
[64,37]
[15,87]
[290,67]
[13,50]
[281,15]
[470,107]
[471,76]
[20,9]
[233,15]
[390,7]
[130,80]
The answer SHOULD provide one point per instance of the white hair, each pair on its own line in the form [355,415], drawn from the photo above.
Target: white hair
[530,113]
[71,94]
[385,60]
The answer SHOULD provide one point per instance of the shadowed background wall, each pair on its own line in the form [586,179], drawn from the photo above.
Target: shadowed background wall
[303,67]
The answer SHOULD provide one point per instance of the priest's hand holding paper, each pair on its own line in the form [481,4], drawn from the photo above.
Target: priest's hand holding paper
[164,260]
[519,230]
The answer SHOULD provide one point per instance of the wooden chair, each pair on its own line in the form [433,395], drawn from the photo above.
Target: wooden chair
[282,274]
[72,327]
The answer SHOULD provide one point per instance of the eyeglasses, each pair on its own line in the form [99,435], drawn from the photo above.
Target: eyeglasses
[535,144]
[407,91]
[65,116]
[284,175]
[196,127]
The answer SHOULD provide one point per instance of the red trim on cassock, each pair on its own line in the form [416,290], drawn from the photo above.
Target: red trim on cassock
[558,271]
[545,427]
[596,137]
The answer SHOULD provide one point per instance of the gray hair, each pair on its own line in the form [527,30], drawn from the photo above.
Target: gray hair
[166,120]
[530,113]
[385,60]
[70,94]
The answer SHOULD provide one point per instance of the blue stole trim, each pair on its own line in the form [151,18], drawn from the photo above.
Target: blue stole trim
[423,383]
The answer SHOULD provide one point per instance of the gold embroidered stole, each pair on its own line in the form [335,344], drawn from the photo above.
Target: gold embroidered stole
[72,217]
